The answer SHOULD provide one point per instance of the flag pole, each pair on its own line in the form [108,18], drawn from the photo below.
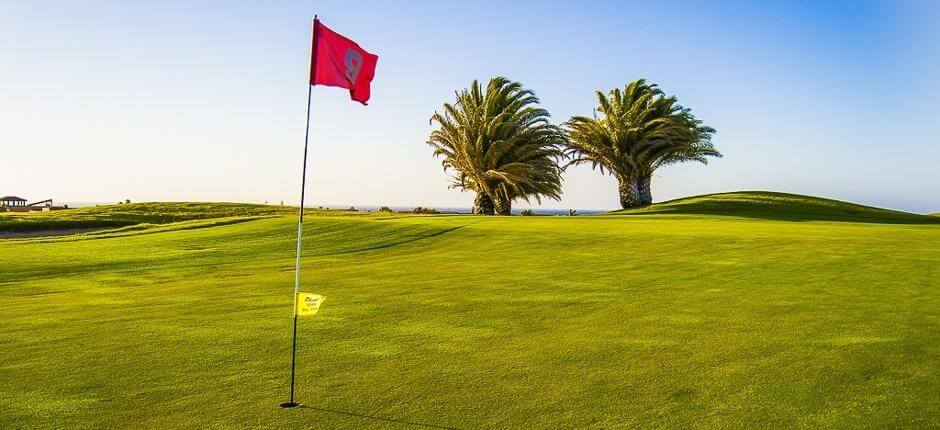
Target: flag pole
[300,230]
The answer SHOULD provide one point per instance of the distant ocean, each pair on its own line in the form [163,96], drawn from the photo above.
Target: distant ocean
[374,208]
[466,210]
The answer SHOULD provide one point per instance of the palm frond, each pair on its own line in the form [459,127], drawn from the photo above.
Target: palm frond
[499,141]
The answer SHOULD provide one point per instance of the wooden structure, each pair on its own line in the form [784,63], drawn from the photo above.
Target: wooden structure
[18,204]
[12,201]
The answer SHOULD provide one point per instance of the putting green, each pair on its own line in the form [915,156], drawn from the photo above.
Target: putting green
[679,319]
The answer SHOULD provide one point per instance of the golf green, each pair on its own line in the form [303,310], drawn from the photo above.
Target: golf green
[717,317]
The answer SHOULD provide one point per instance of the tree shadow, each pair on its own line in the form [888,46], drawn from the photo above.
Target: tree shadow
[377,418]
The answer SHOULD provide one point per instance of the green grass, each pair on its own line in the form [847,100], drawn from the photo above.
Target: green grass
[664,320]
[111,216]
[779,206]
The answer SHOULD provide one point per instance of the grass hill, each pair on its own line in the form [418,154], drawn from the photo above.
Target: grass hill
[112,216]
[144,216]
[701,320]
[778,206]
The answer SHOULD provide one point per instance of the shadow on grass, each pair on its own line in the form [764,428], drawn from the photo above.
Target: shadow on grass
[400,242]
[376,418]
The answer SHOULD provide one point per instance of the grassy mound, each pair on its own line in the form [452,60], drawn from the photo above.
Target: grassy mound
[113,216]
[478,322]
[779,206]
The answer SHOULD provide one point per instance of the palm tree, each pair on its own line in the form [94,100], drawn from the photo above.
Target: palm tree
[638,131]
[691,142]
[500,145]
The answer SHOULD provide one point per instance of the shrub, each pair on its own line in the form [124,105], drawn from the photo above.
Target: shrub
[527,212]
[385,209]
[421,210]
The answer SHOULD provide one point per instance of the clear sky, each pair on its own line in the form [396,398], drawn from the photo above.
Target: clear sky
[102,101]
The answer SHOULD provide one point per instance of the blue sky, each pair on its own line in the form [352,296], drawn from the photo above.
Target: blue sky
[101,101]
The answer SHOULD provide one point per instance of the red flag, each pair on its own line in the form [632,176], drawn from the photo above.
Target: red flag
[339,62]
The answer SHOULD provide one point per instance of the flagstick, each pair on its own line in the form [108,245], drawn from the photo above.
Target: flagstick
[300,232]
[300,223]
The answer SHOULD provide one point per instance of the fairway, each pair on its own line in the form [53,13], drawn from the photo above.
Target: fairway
[665,319]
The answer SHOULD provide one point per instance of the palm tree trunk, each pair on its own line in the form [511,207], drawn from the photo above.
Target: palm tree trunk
[643,188]
[502,206]
[483,204]
[629,195]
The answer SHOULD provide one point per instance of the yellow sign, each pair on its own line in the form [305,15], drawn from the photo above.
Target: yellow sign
[308,304]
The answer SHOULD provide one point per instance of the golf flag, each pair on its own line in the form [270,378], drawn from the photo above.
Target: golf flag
[308,304]
[339,62]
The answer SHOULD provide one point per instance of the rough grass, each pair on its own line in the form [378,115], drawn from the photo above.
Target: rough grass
[679,321]
[110,216]
[779,206]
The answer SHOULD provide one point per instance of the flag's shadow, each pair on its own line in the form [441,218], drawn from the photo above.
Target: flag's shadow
[402,242]
[377,418]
